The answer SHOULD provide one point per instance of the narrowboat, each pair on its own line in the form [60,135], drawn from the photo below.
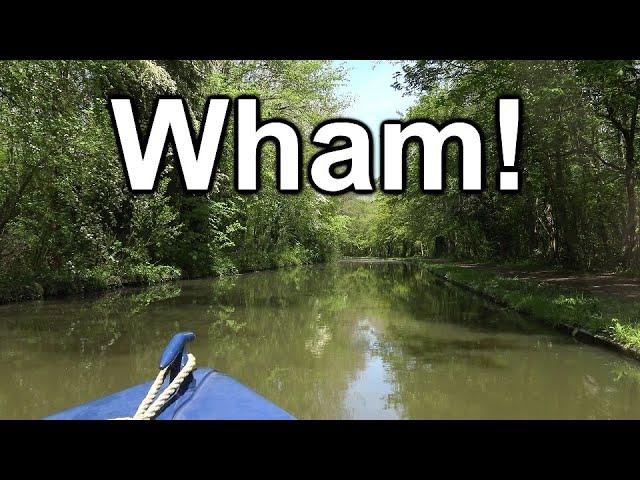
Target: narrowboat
[180,392]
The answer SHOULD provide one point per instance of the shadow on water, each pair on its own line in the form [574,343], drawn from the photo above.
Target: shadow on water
[348,340]
[425,348]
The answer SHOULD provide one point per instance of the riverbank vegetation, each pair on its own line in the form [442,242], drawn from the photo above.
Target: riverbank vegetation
[68,222]
[556,305]
[578,207]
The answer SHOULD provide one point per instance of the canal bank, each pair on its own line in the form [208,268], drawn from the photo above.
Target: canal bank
[101,282]
[607,318]
[349,340]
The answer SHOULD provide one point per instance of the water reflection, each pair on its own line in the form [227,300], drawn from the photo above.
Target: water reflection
[352,340]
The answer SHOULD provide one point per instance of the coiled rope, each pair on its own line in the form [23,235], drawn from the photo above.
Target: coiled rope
[149,407]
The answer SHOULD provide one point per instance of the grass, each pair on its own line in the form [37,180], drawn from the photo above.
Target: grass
[93,280]
[615,320]
[633,273]
[64,282]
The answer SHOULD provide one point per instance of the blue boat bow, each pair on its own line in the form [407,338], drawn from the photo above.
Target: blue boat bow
[205,394]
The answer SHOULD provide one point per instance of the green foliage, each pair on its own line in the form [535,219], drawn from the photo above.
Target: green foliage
[617,320]
[67,220]
[628,335]
[360,216]
[578,204]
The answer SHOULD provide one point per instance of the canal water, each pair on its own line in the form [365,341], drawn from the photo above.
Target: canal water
[352,340]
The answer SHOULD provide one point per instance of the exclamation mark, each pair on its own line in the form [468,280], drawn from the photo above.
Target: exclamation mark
[508,123]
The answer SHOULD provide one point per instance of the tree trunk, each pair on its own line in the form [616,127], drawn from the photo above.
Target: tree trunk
[567,228]
[630,256]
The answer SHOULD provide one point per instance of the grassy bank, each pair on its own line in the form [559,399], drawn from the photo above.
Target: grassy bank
[611,319]
[31,287]
[35,287]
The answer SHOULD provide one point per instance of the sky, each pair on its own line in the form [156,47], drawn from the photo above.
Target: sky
[374,100]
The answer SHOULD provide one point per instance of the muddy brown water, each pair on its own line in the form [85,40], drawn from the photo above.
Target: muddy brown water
[355,339]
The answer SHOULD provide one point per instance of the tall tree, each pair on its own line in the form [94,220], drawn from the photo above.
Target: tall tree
[614,90]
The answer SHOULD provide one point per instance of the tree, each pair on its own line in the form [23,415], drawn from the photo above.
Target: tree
[67,219]
[577,158]
[613,88]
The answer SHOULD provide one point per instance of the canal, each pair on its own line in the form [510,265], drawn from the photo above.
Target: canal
[356,339]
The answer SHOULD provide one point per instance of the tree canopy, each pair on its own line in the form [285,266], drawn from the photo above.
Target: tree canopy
[69,223]
[67,219]
[578,205]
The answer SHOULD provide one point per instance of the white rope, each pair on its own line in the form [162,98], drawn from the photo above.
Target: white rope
[149,408]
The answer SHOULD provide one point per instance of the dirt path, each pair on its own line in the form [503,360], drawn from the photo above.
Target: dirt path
[603,284]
